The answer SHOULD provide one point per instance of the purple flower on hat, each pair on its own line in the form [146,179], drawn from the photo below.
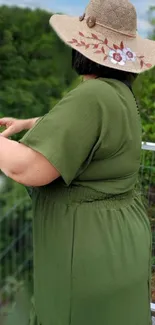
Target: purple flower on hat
[130,56]
[117,57]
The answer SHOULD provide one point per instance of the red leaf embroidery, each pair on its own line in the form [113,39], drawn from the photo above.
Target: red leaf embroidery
[149,65]
[141,63]
[73,41]
[121,46]
[94,36]
[106,41]
[96,46]
[97,52]
[116,47]
[101,49]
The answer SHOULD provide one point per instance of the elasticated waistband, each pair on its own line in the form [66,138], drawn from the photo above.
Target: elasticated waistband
[81,194]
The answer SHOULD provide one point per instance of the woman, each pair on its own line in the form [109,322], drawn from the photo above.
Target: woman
[92,239]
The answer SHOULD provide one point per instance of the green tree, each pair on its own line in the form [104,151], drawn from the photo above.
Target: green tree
[145,92]
[35,66]
[35,71]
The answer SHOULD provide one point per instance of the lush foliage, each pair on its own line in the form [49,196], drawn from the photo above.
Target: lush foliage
[145,93]
[35,71]
[35,66]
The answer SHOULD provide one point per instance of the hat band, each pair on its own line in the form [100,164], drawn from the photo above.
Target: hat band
[94,22]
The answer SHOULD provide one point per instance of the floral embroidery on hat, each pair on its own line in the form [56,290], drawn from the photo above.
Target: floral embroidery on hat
[117,57]
[130,56]
[118,54]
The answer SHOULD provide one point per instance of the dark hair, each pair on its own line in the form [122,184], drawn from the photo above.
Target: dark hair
[84,66]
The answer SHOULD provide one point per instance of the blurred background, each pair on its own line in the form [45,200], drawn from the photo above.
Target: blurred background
[35,72]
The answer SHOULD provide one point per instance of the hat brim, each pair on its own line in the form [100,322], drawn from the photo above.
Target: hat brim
[109,48]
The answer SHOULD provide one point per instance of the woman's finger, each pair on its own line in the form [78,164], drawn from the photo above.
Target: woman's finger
[8,132]
[5,120]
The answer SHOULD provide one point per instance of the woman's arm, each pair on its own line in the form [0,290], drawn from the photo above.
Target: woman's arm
[30,122]
[14,126]
[25,165]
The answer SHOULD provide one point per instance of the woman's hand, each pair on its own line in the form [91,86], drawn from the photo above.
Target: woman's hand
[14,126]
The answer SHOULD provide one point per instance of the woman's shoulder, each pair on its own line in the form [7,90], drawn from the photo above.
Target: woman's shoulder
[101,87]
[85,91]
[90,89]
[94,85]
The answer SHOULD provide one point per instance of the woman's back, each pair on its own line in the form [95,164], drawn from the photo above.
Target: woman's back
[113,163]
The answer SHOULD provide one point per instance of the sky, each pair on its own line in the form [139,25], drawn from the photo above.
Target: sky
[76,7]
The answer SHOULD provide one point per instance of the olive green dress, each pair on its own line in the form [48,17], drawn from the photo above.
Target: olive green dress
[92,238]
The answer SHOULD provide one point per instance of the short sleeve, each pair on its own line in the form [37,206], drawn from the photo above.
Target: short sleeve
[67,135]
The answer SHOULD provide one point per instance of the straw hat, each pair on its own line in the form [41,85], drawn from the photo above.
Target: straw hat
[107,34]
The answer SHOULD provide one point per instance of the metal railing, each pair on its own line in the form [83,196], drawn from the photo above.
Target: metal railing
[149,146]
[147,177]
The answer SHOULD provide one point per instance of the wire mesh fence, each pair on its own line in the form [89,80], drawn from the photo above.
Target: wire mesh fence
[16,252]
[147,181]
